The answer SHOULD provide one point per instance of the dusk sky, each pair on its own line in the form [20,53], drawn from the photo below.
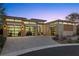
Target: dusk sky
[46,11]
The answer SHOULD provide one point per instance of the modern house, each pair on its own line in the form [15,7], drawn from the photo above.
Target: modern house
[19,26]
[63,27]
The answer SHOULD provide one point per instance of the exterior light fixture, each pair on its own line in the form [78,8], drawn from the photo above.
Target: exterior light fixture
[4,27]
[22,28]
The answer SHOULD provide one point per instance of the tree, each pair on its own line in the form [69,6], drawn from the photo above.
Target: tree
[2,14]
[73,16]
[2,9]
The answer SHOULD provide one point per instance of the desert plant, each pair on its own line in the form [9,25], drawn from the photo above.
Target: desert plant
[69,41]
[29,33]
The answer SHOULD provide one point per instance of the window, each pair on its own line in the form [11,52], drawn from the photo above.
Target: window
[40,22]
[10,20]
[32,23]
[14,30]
[16,20]
[65,23]
[27,22]
[68,27]
[60,23]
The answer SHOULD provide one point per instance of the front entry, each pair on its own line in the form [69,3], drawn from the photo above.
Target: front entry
[77,30]
[30,30]
[52,31]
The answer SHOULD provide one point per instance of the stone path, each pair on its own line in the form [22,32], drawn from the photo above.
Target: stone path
[14,44]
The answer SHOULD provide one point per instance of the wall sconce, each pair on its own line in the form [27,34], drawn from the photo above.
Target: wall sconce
[4,27]
[22,28]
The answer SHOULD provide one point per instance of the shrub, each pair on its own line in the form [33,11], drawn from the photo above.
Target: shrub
[69,41]
[29,33]
[77,41]
[2,41]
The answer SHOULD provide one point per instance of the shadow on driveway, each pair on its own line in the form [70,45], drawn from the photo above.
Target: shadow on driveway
[72,50]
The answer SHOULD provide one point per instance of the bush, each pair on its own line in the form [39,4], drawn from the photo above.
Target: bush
[55,38]
[2,41]
[29,33]
[69,41]
[77,41]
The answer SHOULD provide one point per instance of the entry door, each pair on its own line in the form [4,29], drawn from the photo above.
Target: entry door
[30,28]
[52,30]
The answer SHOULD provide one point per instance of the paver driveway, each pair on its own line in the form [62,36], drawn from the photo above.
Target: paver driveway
[14,44]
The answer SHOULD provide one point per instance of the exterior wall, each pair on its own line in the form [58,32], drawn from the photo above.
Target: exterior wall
[39,27]
[70,32]
[48,31]
[5,29]
[16,22]
[59,29]
[65,31]
[45,29]
[22,29]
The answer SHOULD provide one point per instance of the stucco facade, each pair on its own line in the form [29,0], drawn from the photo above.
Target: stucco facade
[19,26]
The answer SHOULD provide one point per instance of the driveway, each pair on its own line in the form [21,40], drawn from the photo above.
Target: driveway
[14,44]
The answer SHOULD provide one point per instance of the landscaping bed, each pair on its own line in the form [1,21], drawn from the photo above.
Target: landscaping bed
[65,41]
[2,42]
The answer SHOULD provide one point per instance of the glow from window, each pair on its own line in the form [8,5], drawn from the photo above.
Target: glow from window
[40,22]
[16,20]
[26,22]
[60,23]
[65,23]
[32,23]
[10,20]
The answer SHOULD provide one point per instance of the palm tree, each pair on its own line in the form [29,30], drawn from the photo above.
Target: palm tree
[73,16]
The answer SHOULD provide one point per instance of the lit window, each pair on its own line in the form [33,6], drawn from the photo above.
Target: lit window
[70,23]
[32,23]
[40,22]
[55,22]
[65,23]
[26,22]
[76,24]
[60,22]
[18,20]
[9,19]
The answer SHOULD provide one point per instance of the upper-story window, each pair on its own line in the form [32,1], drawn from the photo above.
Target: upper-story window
[16,20]
[26,22]
[10,20]
[60,23]
[40,22]
[53,24]
[13,20]
[32,22]
[65,23]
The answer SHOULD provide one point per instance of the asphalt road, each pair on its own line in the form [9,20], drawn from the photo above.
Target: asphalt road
[72,50]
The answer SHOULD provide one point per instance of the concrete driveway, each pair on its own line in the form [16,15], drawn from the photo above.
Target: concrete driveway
[14,44]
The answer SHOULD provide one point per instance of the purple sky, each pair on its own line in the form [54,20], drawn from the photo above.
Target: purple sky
[46,11]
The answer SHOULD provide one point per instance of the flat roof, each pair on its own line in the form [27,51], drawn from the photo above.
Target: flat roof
[63,21]
[22,18]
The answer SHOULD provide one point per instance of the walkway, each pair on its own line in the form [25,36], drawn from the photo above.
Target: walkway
[14,44]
